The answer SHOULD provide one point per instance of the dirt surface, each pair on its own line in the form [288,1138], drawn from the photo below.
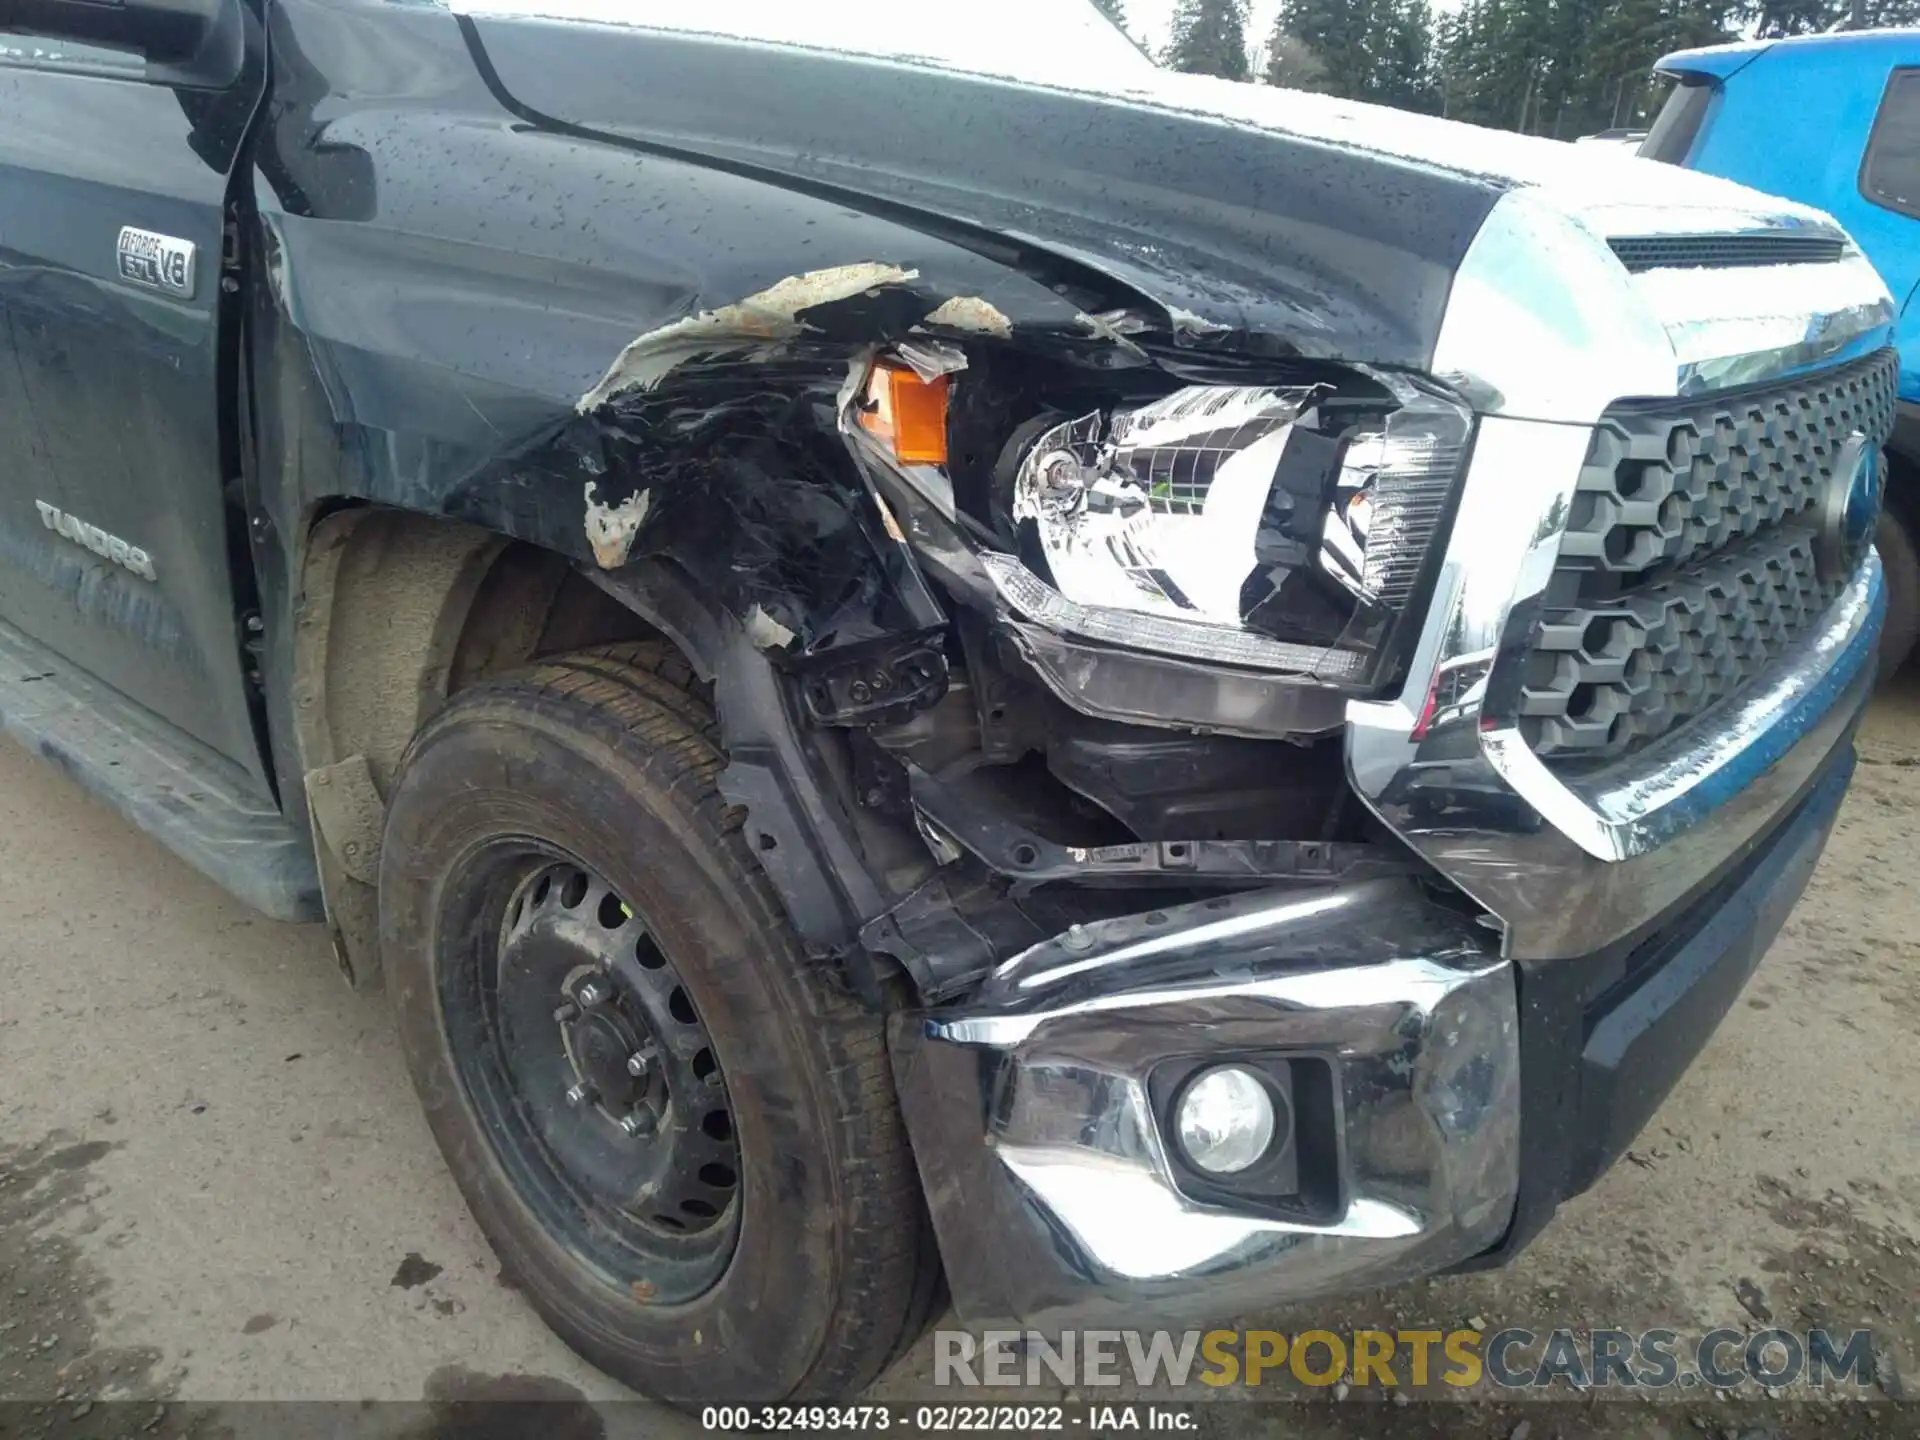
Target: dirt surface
[215,1185]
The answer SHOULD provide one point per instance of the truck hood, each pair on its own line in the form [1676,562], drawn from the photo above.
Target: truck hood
[1297,223]
[1871,49]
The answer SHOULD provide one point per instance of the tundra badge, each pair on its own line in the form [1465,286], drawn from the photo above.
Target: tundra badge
[160,262]
[107,547]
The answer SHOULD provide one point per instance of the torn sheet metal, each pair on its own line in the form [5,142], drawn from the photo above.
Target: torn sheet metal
[973,315]
[732,468]
[765,632]
[1187,325]
[611,528]
[704,322]
[929,359]
[1116,327]
[768,317]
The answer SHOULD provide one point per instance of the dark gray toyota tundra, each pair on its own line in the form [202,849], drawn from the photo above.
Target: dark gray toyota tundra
[922,656]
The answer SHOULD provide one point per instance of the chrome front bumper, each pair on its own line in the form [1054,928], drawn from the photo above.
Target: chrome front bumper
[1041,1135]
[1041,1128]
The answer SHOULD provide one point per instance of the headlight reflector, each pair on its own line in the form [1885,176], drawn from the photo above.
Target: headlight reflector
[1160,513]
[1278,528]
[1395,479]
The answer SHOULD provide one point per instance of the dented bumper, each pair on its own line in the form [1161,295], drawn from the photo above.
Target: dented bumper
[1039,1112]
[1445,1100]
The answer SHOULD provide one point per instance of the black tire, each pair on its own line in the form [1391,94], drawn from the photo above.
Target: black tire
[1901,562]
[610,757]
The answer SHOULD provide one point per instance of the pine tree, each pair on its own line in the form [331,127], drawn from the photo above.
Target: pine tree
[1904,13]
[1114,10]
[1336,34]
[1291,63]
[1402,47]
[1568,67]
[1624,44]
[1210,38]
[1769,18]
[1378,50]
[1547,67]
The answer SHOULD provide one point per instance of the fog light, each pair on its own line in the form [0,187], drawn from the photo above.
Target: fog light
[1225,1120]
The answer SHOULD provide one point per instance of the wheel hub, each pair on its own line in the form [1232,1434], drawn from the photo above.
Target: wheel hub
[614,1057]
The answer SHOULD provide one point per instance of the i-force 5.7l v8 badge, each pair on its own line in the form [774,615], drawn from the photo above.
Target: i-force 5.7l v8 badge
[160,262]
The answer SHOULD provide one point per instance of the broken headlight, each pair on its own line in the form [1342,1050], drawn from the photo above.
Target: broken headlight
[1277,529]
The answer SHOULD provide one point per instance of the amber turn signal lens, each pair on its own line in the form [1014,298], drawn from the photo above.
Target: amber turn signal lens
[908,413]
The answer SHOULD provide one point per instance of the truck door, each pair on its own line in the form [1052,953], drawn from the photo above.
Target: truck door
[118,544]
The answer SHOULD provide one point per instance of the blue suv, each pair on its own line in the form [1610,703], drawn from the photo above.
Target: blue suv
[1832,121]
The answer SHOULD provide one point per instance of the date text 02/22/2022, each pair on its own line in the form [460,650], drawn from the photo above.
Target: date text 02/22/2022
[950,1419]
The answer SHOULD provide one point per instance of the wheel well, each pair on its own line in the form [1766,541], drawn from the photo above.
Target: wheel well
[397,613]
[1903,488]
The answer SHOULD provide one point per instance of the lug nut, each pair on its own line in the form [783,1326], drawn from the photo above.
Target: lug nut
[636,1124]
[590,992]
[638,1064]
[582,1094]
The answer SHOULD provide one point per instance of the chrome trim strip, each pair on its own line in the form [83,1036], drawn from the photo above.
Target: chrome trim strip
[1753,212]
[1500,557]
[1740,325]
[1856,334]
[1663,792]
[1545,323]
[1557,901]
[1032,598]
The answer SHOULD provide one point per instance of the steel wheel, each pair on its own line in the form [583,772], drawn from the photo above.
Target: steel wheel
[598,1084]
[728,1208]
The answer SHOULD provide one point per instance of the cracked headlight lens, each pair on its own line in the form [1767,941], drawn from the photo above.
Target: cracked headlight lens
[1276,528]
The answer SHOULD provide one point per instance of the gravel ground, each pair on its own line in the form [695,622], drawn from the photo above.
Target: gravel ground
[215,1185]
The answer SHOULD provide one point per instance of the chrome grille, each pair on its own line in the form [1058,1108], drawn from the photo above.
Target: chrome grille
[1688,560]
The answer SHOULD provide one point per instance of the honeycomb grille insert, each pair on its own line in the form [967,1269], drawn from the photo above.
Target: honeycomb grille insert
[1688,564]
[1693,252]
[1603,680]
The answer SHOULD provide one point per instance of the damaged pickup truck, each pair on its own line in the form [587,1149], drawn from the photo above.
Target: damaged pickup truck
[918,656]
